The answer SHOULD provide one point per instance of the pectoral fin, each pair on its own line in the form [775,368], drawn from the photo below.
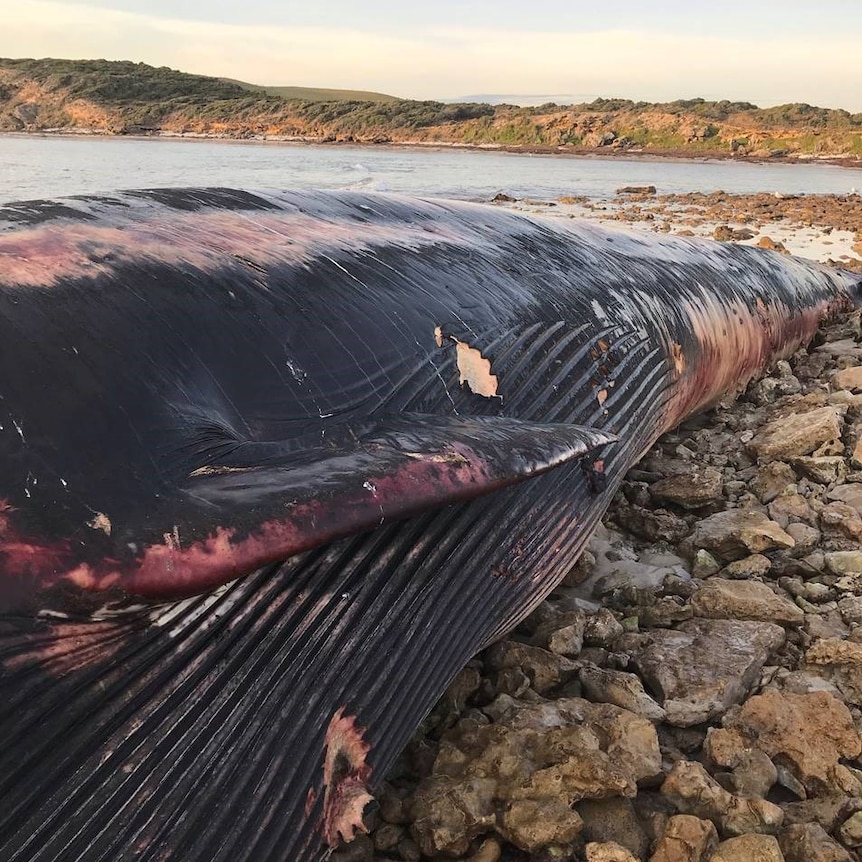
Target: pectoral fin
[240,518]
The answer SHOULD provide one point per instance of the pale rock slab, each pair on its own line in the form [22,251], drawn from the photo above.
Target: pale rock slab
[744,600]
[703,667]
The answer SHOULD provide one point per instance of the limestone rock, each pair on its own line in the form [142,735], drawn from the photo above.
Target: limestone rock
[754,566]
[769,389]
[850,831]
[465,684]
[844,562]
[704,564]
[744,600]
[387,836]
[654,525]
[532,824]
[771,244]
[608,852]
[838,520]
[704,667]
[686,839]
[693,791]
[803,682]
[850,608]
[448,814]
[602,629]
[825,626]
[521,775]
[544,669]
[824,811]
[771,480]
[807,733]
[840,347]
[749,848]
[806,538]
[613,819]
[849,494]
[562,634]
[582,570]
[810,842]
[825,470]
[736,533]
[620,688]
[490,851]
[839,662]
[694,486]
[753,773]
[849,378]
[787,509]
[797,434]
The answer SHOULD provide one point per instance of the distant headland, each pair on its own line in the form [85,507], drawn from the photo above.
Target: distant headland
[104,97]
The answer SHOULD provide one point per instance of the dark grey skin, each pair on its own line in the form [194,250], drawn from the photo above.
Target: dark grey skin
[274,466]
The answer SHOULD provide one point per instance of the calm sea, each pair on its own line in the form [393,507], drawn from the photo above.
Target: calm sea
[39,167]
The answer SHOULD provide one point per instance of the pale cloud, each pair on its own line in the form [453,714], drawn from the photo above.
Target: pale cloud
[449,61]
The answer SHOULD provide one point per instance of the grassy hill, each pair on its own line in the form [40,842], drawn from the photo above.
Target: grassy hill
[315,94]
[111,97]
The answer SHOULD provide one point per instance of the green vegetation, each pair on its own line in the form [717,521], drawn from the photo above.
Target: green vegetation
[125,97]
[315,94]
[107,81]
[355,117]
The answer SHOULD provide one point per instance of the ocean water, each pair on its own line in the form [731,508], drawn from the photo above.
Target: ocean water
[39,167]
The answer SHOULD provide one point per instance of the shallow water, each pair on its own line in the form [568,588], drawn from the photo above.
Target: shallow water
[39,167]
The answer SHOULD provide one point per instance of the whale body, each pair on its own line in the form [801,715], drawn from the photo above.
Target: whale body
[274,466]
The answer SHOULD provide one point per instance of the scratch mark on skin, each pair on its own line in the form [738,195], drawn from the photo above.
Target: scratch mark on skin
[297,372]
[172,540]
[345,779]
[186,613]
[210,470]
[336,264]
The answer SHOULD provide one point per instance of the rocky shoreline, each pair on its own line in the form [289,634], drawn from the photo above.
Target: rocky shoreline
[823,227]
[693,692]
[844,160]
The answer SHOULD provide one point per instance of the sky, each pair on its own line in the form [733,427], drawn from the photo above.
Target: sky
[766,52]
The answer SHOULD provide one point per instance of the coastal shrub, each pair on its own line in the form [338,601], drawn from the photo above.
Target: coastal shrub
[132,96]
[395,114]
[720,110]
[518,133]
[614,104]
[122,80]
[801,114]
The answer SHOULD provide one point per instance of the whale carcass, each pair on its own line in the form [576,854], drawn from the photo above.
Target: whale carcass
[273,466]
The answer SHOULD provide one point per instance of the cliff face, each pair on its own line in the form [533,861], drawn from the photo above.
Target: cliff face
[132,98]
